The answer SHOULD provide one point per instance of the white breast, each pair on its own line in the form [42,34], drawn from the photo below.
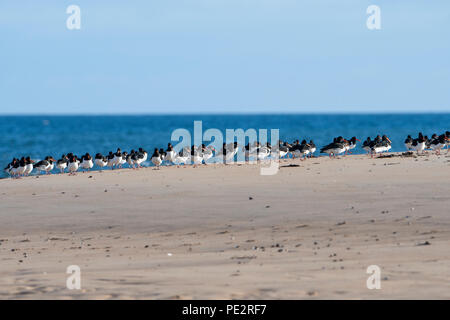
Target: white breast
[100,163]
[156,161]
[87,164]
[28,168]
[170,156]
[207,155]
[73,166]
[420,146]
[62,165]
[197,159]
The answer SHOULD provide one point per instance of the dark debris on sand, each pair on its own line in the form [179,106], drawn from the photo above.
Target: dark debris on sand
[408,154]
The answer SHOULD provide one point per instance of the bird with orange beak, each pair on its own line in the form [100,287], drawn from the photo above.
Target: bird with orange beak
[350,144]
[383,145]
[45,165]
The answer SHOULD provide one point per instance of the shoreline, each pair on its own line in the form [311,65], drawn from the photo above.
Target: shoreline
[242,163]
[224,232]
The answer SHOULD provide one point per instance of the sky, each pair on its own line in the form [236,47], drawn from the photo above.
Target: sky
[224,56]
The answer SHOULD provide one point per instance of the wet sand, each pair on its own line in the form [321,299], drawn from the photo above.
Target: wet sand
[224,232]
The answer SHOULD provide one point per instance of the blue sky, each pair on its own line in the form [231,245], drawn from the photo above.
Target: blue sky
[224,56]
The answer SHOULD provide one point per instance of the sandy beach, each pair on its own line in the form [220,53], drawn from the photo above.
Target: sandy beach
[227,232]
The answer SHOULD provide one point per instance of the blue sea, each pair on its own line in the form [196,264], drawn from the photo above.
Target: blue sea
[39,136]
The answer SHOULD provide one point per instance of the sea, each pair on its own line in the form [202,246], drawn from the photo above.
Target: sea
[39,136]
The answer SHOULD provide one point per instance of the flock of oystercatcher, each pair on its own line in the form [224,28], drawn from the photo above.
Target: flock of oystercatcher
[422,143]
[197,155]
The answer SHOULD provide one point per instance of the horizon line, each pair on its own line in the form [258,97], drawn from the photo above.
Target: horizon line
[222,113]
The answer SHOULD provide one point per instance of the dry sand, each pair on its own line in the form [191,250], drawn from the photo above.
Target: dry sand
[224,232]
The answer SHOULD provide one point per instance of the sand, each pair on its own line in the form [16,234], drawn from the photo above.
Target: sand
[227,232]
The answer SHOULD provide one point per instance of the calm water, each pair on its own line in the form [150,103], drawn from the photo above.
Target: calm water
[39,136]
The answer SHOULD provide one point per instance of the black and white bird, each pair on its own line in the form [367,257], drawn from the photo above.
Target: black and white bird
[131,159]
[208,152]
[312,148]
[111,161]
[382,145]
[144,154]
[350,144]
[162,153]
[183,157]
[233,147]
[86,162]
[263,151]
[140,157]
[156,158]
[62,163]
[337,147]
[100,161]
[300,150]
[250,150]
[73,165]
[123,159]
[170,154]
[196,155]
[295,145]
[438,142]
[14,168]
[366,145]
[419,144]
[29,165]
[408,142]
[117,158]
[284,149]
[228,152]
[20,171]
[9,167]
[45,165]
